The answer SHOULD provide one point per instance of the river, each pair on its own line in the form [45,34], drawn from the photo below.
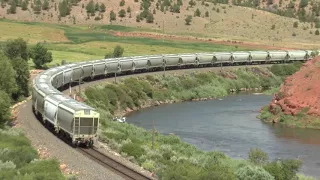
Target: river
[230,125]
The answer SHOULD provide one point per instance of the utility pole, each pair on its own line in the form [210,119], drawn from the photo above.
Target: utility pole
[153,135]
[162,30]
[79,85]
[164,70]
[115,77]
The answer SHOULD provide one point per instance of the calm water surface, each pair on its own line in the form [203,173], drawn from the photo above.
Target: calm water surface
[230,125]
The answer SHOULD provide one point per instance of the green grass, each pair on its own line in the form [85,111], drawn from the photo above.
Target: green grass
[301,120]
[171,157]
[78,43]
[122,28]
[19,160]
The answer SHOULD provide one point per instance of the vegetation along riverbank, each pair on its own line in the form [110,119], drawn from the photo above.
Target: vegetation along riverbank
[18,159]
[168,156]
[297,102]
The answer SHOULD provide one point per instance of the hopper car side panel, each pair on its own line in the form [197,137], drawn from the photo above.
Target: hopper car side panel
[65,119]
[127,65]
[278,55]
[87,70]
[156,61]
[141,63]
[240,56]
[258,56]
[172,60]
[188,59]
[57,80]
[51,111]
[297,55]
[99,68]
[113,66]
[67,75]
[223,57]
[77,73]
[206,58]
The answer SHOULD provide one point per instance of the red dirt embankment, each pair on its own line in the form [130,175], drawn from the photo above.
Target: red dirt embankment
[301,90]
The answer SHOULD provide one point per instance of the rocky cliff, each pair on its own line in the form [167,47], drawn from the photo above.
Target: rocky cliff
[300,93]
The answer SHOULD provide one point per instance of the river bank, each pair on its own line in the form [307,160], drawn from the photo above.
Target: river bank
[168,156]
[297,104]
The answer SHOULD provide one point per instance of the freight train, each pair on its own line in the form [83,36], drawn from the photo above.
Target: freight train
[78,122]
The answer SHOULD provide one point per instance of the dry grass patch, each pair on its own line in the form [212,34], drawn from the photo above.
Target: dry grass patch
[31,33]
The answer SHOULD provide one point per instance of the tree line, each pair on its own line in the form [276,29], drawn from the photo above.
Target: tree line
[14,72]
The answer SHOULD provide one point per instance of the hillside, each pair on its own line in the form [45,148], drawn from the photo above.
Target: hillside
[213,20]
[297,103]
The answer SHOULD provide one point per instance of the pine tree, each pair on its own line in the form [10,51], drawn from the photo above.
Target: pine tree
[64,8]
[45,5]
[113,16]
[24,5]
[150,18]
[13,8]
[102,8]
[207,14]
[197,12]
[97,7]
[122,13]
[37,7]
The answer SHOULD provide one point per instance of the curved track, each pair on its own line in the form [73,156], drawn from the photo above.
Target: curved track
[118,167]
[44,139]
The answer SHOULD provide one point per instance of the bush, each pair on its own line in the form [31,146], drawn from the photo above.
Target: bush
[118,51]
[188,20]
[253,173]
[197,12]
[284,169]
[122,13]
[132,149]
[258,157]
[4,107]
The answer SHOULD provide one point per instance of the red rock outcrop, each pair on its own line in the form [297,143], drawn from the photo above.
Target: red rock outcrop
[300,91]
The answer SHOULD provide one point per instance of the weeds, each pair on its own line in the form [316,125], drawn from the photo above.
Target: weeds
[170,157]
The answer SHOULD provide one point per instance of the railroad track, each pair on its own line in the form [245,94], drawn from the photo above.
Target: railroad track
[110,163]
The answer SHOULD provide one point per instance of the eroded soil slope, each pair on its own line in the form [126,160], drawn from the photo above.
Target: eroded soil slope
[300,92]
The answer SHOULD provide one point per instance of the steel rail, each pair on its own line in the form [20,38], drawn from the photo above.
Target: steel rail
[113,164]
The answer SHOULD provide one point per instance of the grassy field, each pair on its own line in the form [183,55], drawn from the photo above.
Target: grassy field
[32,34]
[223,21]
[81,43]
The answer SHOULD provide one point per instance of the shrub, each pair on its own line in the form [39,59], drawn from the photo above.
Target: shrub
[149,165]
[197,12]
[122,13]
[253,173]
[122,3]
[284,169]
[112,16]
[4,107]
[257,156]
[188,20]
[150,18]
[118,51]
[132,149]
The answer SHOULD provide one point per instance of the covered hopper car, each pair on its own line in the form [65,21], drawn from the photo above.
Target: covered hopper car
[79,123]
